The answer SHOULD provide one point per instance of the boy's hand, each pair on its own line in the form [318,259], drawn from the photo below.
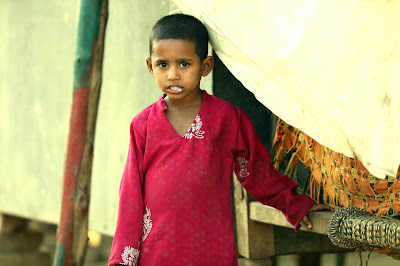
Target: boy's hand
[316,207]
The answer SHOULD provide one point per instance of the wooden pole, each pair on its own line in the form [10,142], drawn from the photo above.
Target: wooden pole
[73,226]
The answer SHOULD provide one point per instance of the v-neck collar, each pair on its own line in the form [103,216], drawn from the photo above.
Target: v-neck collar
[162,106]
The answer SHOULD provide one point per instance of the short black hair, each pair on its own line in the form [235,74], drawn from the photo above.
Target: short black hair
[181,27]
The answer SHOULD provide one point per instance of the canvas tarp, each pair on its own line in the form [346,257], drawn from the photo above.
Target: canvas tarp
[329,68]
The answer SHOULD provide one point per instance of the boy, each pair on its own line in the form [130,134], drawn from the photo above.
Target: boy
[175,198]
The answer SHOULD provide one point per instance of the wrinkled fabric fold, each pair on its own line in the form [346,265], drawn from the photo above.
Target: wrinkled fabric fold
[328,68]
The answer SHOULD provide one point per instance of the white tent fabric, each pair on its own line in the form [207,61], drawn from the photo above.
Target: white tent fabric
[329,68]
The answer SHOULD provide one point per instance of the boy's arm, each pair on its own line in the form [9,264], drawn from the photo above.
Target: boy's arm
[125,248]
[261,180]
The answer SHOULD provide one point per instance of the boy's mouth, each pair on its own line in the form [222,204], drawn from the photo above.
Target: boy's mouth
[176,88]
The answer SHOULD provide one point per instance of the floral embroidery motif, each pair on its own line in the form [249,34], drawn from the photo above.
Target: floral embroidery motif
[130,256]
[242,168]
[195,129]
[147,224]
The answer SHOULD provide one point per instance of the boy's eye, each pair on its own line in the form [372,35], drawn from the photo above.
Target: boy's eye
[162,65]
[184,64]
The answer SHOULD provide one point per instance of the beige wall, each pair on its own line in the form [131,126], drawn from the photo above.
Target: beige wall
[37,43]
[37,49]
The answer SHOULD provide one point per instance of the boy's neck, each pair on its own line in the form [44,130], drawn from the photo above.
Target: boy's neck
[191,101]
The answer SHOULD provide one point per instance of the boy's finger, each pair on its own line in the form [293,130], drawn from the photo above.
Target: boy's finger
[307,222]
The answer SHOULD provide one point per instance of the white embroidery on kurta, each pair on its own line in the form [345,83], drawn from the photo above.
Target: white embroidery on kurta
[242,168]
[147,224]
[130,256]
[195,129]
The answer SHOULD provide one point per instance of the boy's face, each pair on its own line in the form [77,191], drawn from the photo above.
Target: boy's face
[177,68]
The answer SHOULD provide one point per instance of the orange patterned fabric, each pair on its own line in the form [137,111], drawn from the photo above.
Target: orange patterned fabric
[336,179]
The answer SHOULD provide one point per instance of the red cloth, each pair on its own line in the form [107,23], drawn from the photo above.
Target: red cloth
[175,197]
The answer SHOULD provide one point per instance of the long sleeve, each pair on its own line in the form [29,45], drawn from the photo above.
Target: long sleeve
[261,180]
[126,243]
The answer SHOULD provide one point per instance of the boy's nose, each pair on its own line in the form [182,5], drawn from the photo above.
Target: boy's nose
[173,74]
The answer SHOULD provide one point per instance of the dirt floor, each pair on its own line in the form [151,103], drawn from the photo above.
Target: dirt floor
[98,257]
[350,259]
[100,245]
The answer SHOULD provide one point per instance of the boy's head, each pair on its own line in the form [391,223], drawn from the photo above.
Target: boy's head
[181,27]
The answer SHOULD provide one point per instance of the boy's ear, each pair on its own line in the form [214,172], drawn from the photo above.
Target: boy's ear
[208,64]
[149,66]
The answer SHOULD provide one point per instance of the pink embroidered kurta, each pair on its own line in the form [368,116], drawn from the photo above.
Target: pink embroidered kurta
[175,198]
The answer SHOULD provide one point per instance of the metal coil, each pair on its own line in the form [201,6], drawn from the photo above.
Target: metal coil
[356,228]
